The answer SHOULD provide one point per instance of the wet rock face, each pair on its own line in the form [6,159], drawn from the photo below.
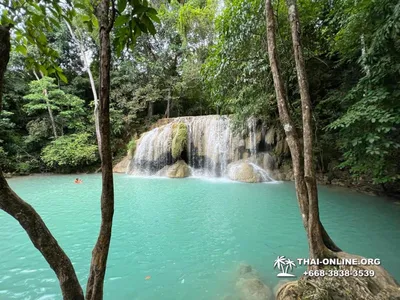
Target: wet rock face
[246,171]
[178,170]
[243,171]
[208,144]
[122,166]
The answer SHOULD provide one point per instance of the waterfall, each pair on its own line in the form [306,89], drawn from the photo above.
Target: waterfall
[211,145]
[251,126]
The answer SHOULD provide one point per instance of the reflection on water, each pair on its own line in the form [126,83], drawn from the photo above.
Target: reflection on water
[184,238]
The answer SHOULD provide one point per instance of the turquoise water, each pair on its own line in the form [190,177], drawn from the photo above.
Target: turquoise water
[189,235]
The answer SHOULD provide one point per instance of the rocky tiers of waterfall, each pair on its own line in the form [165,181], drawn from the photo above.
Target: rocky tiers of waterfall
[208,146]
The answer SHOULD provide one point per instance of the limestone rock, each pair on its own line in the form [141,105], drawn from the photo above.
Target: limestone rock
[179,139]
[243,171]
[178,170]
[268,162]
[122,166]
[244,269]
[247,171]
[253,289]
[270,136]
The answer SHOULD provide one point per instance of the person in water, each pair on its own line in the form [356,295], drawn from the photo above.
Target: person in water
[77,180]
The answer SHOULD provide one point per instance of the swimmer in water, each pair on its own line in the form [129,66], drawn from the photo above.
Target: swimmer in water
[77,180]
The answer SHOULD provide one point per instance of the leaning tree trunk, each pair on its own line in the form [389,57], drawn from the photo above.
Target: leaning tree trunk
[94,289]
[26,215]
[320,244]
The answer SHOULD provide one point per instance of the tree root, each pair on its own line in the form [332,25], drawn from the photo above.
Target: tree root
[381,286]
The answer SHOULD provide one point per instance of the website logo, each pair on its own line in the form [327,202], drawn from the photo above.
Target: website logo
[285,266]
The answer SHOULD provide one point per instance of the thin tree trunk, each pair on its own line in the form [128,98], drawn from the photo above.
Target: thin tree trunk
[92,84]
[306,188]
[5,48]
[314,230]
[168,104]
[26,215]
[50,111]
[150,109]
[94,288]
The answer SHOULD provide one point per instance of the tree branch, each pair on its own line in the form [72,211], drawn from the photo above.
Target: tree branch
[42,239]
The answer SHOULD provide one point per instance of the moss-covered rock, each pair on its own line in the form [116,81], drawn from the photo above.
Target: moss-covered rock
[178,170]
[179,139]
[131,147]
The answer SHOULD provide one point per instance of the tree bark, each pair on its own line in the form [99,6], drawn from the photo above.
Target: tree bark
[320,244]
[150,109]
[26,215]
[93,86]
[5,48]
[167,111]
[49,110]
[94,289]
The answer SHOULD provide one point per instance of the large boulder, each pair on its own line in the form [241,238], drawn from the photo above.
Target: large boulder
[178,170]
[253,289]
[246,171]
[250,286]
[122,166]
[179,139]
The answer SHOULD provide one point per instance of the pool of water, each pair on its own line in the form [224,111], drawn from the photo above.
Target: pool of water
[188,235]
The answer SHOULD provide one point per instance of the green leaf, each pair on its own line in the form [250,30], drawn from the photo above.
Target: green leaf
[154,18]
[85,18]
[42,38]
[95,22]
[43,69]
[121,20]
[149,25]
[139,9]
[121,5]
[21,49]
[62,77]
[142,27]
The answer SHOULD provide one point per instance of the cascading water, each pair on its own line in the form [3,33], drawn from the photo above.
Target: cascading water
[210,147]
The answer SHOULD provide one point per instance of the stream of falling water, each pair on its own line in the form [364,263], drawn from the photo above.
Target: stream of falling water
[211,146]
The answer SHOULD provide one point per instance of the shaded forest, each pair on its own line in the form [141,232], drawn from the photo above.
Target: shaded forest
[210,57]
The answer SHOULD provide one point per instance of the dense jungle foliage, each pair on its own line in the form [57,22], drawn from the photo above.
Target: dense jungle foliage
[210,57]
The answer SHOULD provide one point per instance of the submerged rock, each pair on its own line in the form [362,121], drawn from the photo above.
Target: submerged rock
[381,286]
[253,289]
[245,171]
[249,285]
[244,269]
[122,166]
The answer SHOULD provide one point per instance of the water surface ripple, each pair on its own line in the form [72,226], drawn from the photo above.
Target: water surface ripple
[189,235]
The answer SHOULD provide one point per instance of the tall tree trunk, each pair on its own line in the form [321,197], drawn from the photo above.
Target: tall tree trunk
[94,289]
[26,215]
[150,109]
[320,244]
[50,111]
[93,86]
[5,48]
[167,111]
[317,247]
